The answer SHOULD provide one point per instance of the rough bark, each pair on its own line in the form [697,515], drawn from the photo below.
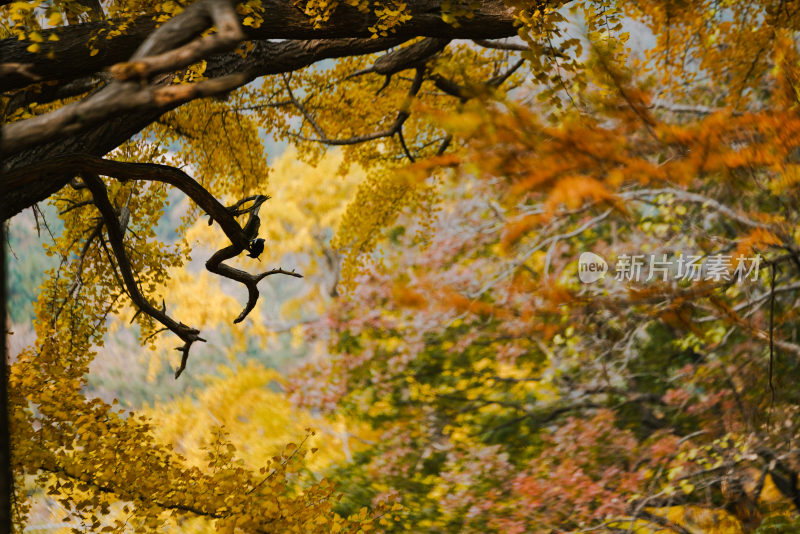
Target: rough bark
[267,58]
[282,20]
[107,120]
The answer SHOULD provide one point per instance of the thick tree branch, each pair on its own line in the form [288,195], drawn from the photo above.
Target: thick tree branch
[501,45]
[283,20]
[43,94]
[267,58]
[74,164]
[158,53]
[110,102]
[220,13]
[123,96]
[415,55]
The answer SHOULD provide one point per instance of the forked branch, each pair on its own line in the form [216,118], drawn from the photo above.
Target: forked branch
[90,168]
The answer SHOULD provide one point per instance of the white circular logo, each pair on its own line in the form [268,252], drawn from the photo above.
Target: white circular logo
[591,267]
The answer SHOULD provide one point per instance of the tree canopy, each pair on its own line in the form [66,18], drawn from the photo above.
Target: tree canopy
[483,147]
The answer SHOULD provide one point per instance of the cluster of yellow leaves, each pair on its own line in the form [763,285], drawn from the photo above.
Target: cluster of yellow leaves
[246,402]
[255,421]
[220,140]
[198,299]
[307,204]
[92,458]
[252,11]
[390,186]
[390,13]
[728,42]
[376,205]
[84,448]
[27,20]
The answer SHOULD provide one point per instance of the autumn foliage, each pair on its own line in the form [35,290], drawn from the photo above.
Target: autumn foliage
[463,378]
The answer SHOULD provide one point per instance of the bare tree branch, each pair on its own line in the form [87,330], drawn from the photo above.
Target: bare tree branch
[215,265]
[188,334]
[90,167]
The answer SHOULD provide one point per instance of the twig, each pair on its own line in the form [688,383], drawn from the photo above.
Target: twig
[322,137]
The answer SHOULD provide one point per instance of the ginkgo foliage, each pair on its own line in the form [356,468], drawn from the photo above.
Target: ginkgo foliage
[503,394]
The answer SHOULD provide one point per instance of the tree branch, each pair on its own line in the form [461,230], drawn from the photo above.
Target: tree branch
[267,58]
[123,96]
[414,55]
[500,45]
[394,129]
[284,21]
[465,93]
[90,167]
[74,164]
[250,281]
[187,334]
[219,13]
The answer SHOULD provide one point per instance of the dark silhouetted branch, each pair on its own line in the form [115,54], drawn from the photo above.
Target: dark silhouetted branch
[187,334]
[90,168]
